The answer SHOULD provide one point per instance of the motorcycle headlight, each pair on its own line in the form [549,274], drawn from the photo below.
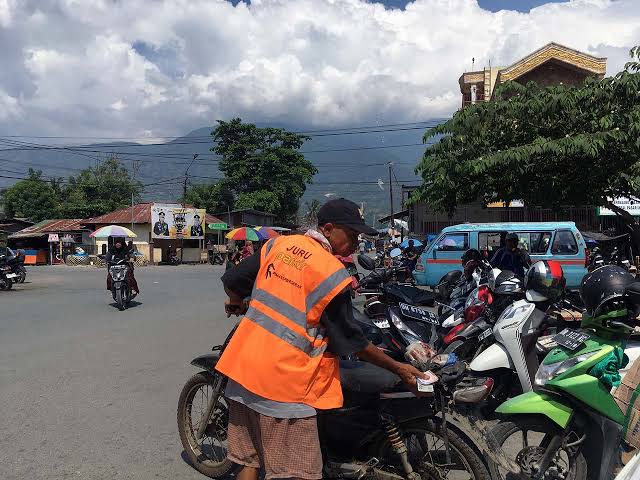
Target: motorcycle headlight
[402,327]
[552,370]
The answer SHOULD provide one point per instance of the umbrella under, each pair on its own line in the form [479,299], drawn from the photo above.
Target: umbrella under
[267,232]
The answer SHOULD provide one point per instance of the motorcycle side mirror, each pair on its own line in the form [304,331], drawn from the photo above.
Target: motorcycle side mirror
[396,252]
[366,262]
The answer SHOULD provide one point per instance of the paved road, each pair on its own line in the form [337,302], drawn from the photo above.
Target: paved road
[89,392]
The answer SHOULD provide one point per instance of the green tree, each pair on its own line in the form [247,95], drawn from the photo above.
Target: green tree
[33,198]
[99,190]
[550,147]
[214,197]
[263,166]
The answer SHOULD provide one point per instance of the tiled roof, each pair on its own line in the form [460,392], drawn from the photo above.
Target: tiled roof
[51,226]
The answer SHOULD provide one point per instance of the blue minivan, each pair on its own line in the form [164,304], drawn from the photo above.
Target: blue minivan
[560,241]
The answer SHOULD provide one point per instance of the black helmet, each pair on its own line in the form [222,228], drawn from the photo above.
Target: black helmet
[471,254]
[602,287]
[544,281]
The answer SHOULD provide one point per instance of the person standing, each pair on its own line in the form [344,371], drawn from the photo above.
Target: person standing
[282,361]
[247,250]
[511,257]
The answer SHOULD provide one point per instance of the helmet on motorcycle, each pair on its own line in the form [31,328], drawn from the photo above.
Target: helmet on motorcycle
[603,290]
[471,254]
[544,281]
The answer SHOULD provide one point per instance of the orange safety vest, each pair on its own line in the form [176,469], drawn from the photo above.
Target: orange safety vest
[279,349]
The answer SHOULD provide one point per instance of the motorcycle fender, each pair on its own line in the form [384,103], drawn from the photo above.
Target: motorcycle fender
[207,361]
[538,403]
[495,356]
[474,329]
[451,321]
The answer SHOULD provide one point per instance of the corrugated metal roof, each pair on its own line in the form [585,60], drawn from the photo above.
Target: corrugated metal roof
[141,214]
[51,226]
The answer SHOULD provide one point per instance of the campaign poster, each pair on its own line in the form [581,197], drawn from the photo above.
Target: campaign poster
[172,221]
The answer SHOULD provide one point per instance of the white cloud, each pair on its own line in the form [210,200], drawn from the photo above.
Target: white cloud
[110,68]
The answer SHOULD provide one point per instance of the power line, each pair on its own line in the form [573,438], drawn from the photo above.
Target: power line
[365,127]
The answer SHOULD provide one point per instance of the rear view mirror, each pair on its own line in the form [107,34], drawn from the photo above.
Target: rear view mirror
[396,252]
[366,262]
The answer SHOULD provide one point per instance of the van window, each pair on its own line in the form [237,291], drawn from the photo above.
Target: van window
[564,243]
[490,241]
[453,242]
[536,243]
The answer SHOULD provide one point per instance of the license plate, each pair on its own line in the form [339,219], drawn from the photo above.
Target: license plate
[419,314]
[486,334]
[571,339]
[11,275]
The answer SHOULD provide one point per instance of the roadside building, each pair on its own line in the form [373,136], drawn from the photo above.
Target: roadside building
[9,226]
[50,241]
[550,65]
[160,229]
[247,217]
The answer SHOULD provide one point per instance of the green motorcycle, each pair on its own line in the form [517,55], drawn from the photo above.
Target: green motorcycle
[570,426]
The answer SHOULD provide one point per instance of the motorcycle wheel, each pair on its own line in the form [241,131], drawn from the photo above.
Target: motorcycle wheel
[22,275]
[425,442]
[120,299]
[5,284]
[219,260]
[566,466]
[209,454]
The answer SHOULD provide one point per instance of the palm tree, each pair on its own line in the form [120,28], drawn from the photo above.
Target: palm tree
[310,217]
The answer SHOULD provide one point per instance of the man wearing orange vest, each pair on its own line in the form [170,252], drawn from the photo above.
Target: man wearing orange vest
[282,361]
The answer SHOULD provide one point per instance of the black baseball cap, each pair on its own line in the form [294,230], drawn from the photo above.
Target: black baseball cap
[343,212]
[512,236]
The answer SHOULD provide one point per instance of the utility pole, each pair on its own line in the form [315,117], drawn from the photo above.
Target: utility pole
[391,220]
[135,167]
[184,203]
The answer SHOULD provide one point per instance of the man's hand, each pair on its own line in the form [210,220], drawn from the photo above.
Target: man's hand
[235,308]
[409,375]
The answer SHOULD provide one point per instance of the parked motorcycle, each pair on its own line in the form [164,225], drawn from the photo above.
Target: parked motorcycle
[215,257]
[570,427]
[382,431]
[120,287]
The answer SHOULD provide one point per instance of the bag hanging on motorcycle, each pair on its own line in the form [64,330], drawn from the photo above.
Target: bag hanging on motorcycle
[627,396]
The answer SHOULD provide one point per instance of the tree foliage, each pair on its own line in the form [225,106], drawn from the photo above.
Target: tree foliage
[33,198]
[99,190]
[214,197]
[310,217]
[551,146]
[263,166]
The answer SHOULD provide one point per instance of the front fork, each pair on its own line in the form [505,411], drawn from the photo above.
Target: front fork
[219,385]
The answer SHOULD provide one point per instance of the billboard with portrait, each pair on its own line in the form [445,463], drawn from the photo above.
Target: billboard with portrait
[172,221]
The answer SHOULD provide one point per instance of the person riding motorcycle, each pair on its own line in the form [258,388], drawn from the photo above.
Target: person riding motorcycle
[120,251]
[511,257]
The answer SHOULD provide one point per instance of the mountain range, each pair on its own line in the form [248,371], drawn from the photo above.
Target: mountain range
[344,161]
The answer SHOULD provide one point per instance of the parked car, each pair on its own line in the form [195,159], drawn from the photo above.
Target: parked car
[560,241]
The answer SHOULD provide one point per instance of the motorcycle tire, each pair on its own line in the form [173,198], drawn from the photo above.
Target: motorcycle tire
[501,433]
[5,284]
[219,261]
[212,468]
[462,450]
[120,299]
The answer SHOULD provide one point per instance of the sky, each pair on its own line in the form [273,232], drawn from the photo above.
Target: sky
[150,68]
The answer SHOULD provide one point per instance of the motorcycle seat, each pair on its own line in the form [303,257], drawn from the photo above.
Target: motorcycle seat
[366,378]
[419,297]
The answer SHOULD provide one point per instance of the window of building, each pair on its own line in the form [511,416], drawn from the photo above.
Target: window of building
[454,242]
[564,243]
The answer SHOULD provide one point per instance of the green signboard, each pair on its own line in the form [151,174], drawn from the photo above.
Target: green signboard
[218,226]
